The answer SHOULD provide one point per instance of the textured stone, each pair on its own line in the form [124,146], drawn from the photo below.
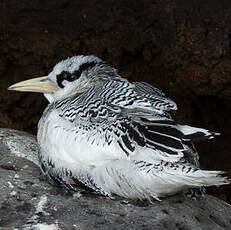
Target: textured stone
[29,202]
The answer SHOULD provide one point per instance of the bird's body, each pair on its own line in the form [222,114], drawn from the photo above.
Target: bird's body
[116,137]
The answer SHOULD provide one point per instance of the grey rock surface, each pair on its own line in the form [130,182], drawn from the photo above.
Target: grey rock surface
[27,201]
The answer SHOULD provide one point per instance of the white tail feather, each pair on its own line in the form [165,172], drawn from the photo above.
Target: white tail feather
[146,181]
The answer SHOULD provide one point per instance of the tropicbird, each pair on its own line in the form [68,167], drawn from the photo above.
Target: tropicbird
[112,136]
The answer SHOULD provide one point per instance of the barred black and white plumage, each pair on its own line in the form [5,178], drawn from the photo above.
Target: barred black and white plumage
[115,137]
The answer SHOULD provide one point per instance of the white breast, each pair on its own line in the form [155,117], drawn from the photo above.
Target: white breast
[69,146]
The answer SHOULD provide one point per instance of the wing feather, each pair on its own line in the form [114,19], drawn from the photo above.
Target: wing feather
[132,115]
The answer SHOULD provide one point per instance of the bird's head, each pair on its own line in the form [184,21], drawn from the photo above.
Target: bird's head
[68,77]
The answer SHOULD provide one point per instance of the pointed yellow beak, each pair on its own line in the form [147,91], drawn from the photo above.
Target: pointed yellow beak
[40,85]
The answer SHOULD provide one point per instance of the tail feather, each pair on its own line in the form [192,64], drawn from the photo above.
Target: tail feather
[194,177]
[208,178]
[143,180]
[226,175]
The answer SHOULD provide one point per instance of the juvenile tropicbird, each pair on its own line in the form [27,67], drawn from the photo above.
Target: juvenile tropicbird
[112,136]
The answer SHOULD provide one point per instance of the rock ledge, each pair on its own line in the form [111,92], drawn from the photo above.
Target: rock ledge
[29,202]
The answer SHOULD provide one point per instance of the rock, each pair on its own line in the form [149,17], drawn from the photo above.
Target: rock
[27,201]
[19,144]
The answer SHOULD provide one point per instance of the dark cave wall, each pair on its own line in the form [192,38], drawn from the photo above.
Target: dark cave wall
[182,47]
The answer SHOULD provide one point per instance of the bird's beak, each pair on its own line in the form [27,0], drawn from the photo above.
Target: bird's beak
[40,85]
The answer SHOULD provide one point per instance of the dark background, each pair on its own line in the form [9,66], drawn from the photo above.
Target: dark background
[181,46]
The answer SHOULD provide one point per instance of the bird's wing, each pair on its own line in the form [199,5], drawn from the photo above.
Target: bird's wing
[134,116]
[138,99]
[156,97]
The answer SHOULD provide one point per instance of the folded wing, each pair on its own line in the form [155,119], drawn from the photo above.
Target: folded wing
[134,116]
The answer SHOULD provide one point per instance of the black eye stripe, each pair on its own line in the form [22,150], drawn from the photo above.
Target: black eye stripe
[64,75]
[85,66]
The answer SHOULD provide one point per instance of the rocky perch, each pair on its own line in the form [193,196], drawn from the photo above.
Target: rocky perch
[27,201]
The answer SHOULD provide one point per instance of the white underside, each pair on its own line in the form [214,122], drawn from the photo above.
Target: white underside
[111,169]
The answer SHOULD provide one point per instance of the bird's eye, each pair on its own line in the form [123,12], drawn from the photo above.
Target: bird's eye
[65,76]
[69,76]
[72,77]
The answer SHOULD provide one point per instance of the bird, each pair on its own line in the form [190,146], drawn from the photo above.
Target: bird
[113,137]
